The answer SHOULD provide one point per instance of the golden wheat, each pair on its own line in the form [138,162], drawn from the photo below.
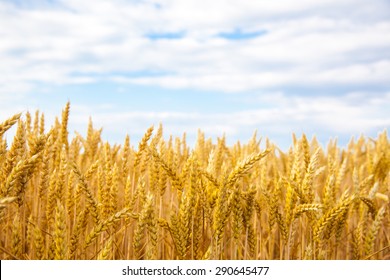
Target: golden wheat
[82,198]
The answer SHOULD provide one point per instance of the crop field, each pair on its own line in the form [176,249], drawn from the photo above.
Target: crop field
[83,198]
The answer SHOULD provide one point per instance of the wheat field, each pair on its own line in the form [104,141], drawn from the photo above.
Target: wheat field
[83,198]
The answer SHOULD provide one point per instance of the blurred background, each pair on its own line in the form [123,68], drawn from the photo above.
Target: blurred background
[225,67]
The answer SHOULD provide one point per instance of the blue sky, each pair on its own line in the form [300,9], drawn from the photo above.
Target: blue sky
[225,67]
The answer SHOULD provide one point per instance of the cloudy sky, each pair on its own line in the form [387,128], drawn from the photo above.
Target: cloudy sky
[223,66]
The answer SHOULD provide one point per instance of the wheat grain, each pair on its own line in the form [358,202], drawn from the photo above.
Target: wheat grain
[4,126]
[65,197]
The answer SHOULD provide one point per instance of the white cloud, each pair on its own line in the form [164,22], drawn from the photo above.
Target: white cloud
[343,116]
[327,41]
[273,114]
[308,44]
